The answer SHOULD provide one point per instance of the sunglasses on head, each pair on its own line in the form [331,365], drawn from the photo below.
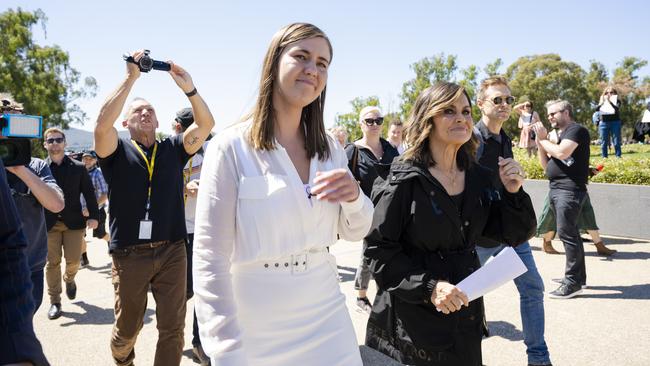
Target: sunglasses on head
[58,140]
[376,121]
[498,100]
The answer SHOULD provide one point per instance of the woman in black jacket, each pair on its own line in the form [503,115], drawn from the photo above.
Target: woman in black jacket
[432,207]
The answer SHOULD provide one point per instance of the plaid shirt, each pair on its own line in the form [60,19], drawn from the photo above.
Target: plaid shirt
[99,183]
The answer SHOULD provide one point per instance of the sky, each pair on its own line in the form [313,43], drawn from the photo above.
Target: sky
[222,43]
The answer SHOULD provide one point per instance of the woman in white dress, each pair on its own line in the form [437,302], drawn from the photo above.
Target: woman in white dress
[275,192]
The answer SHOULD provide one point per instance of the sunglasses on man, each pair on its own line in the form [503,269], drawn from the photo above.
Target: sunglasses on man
[373,121]
[58,140]
[499,100]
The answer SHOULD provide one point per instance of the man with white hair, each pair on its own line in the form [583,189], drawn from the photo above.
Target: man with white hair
[147,221]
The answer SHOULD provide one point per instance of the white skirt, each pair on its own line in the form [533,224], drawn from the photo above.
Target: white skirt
[290,315]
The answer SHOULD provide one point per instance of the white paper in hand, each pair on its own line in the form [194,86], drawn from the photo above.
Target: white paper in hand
[500,269]
[607,108]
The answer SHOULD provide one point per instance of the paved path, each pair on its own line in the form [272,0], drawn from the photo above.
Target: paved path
[608,325]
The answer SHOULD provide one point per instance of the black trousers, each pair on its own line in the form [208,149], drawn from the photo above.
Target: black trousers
[189,245]
[567,205]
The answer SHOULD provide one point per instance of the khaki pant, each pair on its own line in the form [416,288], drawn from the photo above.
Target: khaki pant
[62,242]
[134,271]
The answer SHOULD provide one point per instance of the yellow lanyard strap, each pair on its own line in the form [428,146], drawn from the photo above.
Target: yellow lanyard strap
[150,166]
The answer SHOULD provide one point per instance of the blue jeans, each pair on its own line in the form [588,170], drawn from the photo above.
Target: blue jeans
[605,129]
[531,302]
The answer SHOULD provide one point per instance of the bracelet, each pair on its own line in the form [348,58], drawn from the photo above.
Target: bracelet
[191,93]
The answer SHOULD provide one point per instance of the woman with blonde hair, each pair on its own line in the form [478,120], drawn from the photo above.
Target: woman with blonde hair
[275,192]
[431,209]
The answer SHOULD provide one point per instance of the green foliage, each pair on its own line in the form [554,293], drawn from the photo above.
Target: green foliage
[350,121]
[492,69]
[546,77]
[38,76]
[427,71]
[633,168]
[632,91]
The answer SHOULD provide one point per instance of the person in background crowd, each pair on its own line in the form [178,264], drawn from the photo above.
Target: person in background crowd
[396,135]
[527,116]
[274,193]
[610,123]
[434,205]
[146,213]
[18,342]
[368,157]
[191,173]
[546,227]
[89,159]
[66,229]
[33,188]
[495,100]
[567,168]
[340,134]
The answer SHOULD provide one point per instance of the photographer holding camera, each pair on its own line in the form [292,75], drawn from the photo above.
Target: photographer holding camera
[147,221]
[33,188]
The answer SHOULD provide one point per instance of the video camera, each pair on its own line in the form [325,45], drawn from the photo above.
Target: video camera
[17,149]
[146,63]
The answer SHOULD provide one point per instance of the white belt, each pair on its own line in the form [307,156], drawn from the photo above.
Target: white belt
[295,263]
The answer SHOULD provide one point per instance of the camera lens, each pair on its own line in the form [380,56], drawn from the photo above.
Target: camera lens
[146,63]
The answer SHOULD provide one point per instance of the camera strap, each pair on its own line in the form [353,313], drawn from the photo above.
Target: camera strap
[150,167]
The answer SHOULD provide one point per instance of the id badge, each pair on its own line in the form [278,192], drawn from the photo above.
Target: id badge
[145,229]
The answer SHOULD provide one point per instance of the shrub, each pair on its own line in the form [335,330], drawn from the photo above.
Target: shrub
[633,168]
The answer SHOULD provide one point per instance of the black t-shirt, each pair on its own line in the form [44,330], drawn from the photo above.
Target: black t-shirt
[127,177]
[571,173]
[368,168]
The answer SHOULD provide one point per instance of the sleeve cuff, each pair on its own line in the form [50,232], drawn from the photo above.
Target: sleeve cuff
[356,205]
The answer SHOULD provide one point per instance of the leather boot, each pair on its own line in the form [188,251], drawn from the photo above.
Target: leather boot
[603,250]
[548,247]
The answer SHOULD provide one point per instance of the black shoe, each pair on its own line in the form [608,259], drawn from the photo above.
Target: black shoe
[199,356]
[561,280]
[54,312]
[71,290]
[565,292]
[544,364]
[84,260]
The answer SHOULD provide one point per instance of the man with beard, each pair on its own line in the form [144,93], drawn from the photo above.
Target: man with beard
[567,168]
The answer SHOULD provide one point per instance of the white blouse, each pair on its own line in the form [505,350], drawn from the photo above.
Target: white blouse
[253,206]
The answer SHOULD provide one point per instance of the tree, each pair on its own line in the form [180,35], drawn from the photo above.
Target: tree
[38,76]
[350,121]
[547,77]
[430,70]
[631,91]
[427,71]
[492,69]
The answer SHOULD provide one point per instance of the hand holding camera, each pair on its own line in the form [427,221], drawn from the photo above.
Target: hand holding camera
[140,61]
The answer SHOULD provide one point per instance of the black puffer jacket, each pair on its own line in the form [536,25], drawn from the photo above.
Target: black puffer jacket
[419,236]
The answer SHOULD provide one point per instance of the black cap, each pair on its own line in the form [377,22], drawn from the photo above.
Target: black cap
[185,117]
[90,153]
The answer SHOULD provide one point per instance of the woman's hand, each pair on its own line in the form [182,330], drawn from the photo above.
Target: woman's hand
[511,174]
[448,298]
[336,185]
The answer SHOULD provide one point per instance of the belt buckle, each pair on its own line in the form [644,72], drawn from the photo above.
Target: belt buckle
[298,263]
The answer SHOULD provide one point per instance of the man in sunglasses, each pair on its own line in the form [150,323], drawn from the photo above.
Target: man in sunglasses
[567,168]
[495,101]
[67,228]
[33,188]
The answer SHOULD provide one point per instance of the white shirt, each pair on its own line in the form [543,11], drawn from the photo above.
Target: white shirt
[252,206]
[194,173]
